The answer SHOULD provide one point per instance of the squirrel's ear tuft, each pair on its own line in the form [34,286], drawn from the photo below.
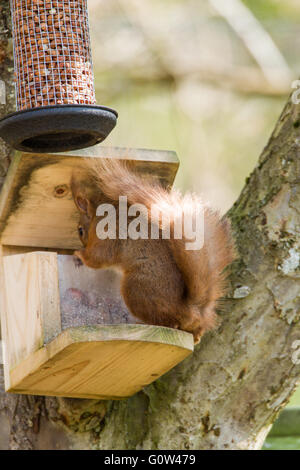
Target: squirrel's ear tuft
[82,204]
[81,200]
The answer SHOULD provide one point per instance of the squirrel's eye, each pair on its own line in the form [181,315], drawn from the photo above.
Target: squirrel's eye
[80,231]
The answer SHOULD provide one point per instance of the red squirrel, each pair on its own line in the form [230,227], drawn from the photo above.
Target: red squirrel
[163,282]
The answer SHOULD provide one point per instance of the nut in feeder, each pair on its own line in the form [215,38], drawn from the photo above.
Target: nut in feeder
[56,105]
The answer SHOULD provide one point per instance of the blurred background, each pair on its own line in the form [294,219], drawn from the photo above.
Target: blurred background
[206,78]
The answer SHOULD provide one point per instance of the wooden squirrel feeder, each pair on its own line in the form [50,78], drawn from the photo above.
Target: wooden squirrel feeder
[65,328]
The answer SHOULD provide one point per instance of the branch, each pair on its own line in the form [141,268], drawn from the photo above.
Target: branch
[272,78]
[257,40]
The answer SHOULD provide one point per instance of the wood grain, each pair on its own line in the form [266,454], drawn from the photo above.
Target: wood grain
[44,355]
[36,206]
[3,319]
[31,308]
[111,362]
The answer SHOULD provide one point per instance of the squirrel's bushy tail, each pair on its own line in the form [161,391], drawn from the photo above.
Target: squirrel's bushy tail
[202,269]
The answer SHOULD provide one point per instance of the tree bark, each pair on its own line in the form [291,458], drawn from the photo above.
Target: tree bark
[7,103]
[227,394]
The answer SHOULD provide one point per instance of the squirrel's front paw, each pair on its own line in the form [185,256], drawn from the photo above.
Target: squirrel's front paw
[77,259]
[197,335]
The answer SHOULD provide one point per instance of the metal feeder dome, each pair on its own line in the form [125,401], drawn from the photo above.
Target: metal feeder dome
[55,94]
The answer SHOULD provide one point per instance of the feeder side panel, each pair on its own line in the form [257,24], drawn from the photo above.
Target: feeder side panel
[52,53]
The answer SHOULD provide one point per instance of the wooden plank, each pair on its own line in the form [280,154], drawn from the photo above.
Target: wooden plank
[14,250]
[3,319]
[31,313]
[101,362]
[85,360]
[49,296]
[36,206]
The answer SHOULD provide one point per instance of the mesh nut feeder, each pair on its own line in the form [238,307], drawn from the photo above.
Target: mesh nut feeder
[55,95]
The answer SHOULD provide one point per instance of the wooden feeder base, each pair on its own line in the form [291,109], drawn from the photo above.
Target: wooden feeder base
[57,128]
[67,331]
[104,362]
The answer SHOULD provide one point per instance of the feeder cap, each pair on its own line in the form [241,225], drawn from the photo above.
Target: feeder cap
[57,128]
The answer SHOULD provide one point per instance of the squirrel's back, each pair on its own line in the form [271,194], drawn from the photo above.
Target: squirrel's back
[202,269]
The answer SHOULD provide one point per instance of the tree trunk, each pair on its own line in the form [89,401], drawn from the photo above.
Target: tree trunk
[7,96]
[227,394]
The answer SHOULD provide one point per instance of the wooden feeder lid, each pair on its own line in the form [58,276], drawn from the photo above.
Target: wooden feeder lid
[36,206]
